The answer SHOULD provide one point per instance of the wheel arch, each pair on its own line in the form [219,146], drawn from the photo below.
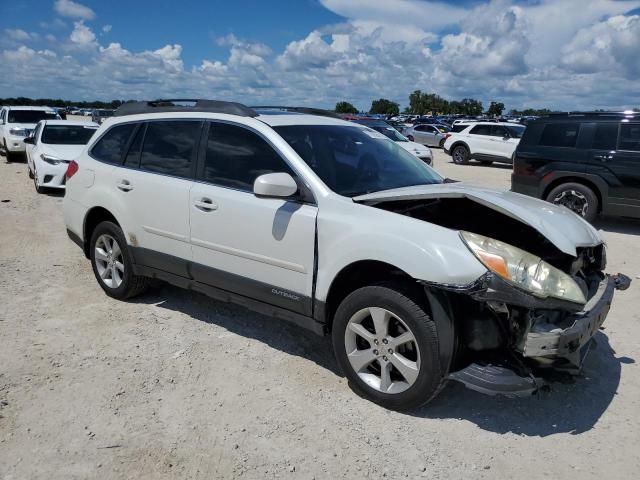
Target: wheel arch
[359,274]
[459,143]
[92,219]
[576,179]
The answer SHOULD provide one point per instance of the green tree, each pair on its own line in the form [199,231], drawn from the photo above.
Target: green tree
[345,107]
[384,107]
[496,109]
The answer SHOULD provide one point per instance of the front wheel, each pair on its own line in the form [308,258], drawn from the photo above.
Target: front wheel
[113,264]
[410,138]
[387,345]
[460,155]
[36,185]
[576,197]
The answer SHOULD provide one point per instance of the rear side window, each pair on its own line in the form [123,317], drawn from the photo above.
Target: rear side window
[236,157]
[458,128]
[481,130]
[111,145]
[605,136]
[169,147]
[560,135]
[498,131]
[629,137]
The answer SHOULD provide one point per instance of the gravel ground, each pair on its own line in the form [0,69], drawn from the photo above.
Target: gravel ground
[175,385]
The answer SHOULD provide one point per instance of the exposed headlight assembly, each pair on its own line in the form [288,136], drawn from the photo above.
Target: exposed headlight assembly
[50,159]
[523,269]
[19,132]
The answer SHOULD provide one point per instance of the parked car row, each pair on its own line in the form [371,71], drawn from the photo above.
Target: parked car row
[17,123]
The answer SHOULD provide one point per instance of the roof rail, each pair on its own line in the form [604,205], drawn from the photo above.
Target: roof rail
[307,110]
[593,114]
[174,105]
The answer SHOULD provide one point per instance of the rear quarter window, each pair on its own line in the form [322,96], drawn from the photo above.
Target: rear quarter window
[629,137]
[560,134]
[110,147]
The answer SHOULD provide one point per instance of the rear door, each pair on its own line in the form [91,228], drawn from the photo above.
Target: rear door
[262,248]
[153,185]
[625,165]
[480,140]
[502,144]
[421,134]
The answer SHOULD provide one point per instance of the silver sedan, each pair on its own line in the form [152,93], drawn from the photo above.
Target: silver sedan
[426,134]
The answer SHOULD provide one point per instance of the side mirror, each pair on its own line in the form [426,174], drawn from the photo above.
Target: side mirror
[278,185]
[30,140]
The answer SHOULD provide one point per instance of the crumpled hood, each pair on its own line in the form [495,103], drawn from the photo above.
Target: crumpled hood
[63,152]
[559,225]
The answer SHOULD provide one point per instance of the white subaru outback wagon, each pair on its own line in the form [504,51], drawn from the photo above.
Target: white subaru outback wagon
[334,227]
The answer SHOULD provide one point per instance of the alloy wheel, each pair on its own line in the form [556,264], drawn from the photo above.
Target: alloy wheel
[382,350]
[109,261]
[573,200]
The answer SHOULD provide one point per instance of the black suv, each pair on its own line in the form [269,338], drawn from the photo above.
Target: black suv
[588,162]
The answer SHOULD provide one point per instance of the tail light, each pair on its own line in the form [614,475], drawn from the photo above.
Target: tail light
[71,169]
[523,169]
[447,135]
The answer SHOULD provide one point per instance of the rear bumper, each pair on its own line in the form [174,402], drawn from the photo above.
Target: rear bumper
[525,185]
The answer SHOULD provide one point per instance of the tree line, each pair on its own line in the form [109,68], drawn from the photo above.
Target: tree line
[58,102]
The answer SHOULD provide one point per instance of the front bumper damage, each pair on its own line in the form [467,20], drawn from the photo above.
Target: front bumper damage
[538,335]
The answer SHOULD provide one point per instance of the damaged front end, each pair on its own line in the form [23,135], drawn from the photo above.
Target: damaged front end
[543,298]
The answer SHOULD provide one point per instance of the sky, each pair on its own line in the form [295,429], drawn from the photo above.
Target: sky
[558,54]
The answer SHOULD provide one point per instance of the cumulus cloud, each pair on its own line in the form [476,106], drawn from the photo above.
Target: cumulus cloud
[17,34]
[69,8]
[569,55]
[107,28]
[82,36]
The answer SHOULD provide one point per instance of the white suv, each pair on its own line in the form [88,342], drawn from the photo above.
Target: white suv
[484,141]
[17,123]
[317,221]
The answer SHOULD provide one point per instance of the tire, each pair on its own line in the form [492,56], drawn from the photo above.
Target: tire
[441,144]
[123,284]
[577,197]
[405,311]
[30,174]
[460,155]
[410,138]
[34,177]
[486,163]
[7,156]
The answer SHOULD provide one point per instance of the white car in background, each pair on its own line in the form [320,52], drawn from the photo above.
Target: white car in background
[421,151]
[486,142]
[16,123]
[53,144]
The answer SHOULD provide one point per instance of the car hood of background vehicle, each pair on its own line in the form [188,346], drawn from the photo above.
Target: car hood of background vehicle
[63,152]
[559,225]
[413,147]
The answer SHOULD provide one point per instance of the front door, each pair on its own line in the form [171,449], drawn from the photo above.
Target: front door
[261,248]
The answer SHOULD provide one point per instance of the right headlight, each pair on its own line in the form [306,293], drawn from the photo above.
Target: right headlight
[523,269]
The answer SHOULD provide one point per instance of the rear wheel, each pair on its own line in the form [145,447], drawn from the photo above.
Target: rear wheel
[576,197]
[112,263]
[460,155]
[441,144]
[387,345]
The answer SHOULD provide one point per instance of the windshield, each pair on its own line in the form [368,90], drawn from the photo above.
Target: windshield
[516,131]
[354,160]
[391,133]
[67,134]
[30,116]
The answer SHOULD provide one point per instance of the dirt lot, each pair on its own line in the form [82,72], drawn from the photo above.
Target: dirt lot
[175,385]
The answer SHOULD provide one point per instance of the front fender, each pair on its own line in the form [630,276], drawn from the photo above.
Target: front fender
[423,250]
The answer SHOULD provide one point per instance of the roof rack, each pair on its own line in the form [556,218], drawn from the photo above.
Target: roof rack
[173,105]
[307,110]
[593,114]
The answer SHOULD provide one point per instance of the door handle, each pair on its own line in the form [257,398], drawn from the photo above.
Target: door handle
[125,186]
[205,204]
[603,158]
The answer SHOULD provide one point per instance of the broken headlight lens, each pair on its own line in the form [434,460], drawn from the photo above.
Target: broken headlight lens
[523,269]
